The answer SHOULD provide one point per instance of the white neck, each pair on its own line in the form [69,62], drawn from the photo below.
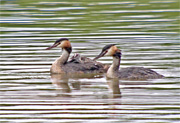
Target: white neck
[56,66]
[63,58]
[114,68]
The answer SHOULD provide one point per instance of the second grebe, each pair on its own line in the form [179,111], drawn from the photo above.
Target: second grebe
[130,73]
[77,64]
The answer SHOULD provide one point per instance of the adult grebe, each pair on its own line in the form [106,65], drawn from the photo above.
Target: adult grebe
[130,73]
[77,64]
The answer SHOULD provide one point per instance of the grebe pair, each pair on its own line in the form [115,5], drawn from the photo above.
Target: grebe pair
[79,64]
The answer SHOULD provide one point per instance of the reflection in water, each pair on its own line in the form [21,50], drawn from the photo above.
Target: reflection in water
[61,83]
[114,87]
[146,31]
[64,86]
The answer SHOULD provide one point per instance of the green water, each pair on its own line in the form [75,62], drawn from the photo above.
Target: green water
[147,32]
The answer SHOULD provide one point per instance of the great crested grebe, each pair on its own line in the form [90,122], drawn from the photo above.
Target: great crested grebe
[130,73]
[77,64]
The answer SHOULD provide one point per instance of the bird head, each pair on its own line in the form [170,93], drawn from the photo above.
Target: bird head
[62,43]
[109,50]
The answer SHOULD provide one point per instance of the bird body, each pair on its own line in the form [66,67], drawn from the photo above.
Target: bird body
[130,73]
[77,64]
[135,73]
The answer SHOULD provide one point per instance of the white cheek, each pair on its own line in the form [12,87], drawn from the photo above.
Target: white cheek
[60,45]
[109,53]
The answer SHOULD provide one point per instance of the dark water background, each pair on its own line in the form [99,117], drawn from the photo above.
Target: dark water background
[147,32]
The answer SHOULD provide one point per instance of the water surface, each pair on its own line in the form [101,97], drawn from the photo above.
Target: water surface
[147,32]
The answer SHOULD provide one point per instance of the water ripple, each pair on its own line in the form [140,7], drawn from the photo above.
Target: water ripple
[146,32]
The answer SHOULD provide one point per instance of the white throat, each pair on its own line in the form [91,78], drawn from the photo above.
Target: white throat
[64,57]
[56,66]
[114,68]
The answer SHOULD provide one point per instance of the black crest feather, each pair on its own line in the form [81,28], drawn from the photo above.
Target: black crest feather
[107,46]
[61,39]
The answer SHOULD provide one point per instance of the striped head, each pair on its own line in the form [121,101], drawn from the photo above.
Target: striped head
[109,50]
[63,43]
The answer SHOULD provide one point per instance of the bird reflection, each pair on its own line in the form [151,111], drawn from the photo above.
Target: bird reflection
[114,87]
[61,83]
[64,87]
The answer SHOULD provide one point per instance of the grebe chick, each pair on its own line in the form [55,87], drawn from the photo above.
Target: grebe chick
[130,73]
[77,64]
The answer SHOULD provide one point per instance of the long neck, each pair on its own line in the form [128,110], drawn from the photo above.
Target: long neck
[114,68]
[59,62]
[116,64]
[63,58]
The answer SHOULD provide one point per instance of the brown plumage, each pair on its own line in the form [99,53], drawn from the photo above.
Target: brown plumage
[76,64]
[130,73]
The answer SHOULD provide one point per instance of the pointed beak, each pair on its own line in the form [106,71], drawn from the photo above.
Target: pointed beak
[54,45]
[100,55]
